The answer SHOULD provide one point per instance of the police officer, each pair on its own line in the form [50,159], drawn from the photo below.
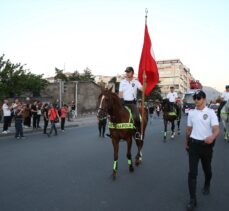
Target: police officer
[128,93]
[224,99]
[202,130]
[172,97]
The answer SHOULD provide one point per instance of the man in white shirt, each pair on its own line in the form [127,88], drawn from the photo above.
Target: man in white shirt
[224,99]
[201,132]
[7,116]
[128,93]
[172,97]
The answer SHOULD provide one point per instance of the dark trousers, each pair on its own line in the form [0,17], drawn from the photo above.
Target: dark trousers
[136,117]
[18,127]
[53,127]
[38,121]
[34,120]
[45,125]
[62,123]
[220,108]
[203,152]
[7,120]
[102,126]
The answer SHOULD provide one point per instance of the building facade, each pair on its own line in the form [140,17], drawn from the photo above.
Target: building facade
[173,73]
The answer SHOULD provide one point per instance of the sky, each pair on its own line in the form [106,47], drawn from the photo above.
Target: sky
[107,35]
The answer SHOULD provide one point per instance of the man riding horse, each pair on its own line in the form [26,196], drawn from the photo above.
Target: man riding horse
[128,94]
[224,99]
[173,97]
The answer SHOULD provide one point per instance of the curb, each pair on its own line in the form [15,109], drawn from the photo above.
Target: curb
[79,123]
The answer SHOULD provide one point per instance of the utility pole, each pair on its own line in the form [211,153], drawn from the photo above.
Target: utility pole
[60,91]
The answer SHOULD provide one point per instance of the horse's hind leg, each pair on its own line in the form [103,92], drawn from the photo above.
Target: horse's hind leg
[138,157]
[173,129]
[165,129]
[178,126]
[129,157]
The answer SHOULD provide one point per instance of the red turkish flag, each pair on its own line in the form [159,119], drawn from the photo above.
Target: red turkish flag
[148,64]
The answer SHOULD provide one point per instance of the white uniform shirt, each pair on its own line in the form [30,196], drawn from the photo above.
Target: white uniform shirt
[225,96]
[201,122]
[172,97]
[6,110]
[129,89]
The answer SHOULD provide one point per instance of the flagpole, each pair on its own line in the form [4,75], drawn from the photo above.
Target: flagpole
[143,90]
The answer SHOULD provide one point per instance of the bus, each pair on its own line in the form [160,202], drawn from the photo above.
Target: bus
[188,103]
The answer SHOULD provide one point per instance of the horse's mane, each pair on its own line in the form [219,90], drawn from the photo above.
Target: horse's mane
[115,109]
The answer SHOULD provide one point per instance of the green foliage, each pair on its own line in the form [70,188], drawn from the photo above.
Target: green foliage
[87,75]
[60,75]
[155,94]
[75,76]
[15,80]
[114,80]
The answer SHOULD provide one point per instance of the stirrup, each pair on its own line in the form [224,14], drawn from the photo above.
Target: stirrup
[138,136]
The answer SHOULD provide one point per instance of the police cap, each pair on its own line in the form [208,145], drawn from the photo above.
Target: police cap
[129,69]
[199,94]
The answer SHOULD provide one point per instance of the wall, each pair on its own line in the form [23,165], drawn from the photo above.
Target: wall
[87,95]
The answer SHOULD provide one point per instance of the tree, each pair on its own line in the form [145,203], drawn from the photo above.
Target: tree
[60,75]
[75,76]
[155,94]
[15,80]
[35,83]
[87,75]
[114,80]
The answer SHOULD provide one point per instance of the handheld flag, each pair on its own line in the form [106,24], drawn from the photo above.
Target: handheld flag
[148,65]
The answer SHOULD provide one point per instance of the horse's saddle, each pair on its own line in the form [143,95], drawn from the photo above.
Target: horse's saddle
[123,125]
[173,111]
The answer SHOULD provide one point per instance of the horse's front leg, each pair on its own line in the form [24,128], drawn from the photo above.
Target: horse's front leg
[173,129]
[178,126]
[115,164]
[165,129]
[129,157]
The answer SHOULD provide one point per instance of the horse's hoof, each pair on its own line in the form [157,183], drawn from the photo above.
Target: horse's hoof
[114,175]
[131,169]
[137,162]
[172,137]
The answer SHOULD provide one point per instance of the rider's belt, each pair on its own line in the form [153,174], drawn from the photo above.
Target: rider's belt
[130,101]
[196,141]
[200,142]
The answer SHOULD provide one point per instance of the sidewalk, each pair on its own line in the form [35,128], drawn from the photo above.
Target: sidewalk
[78,122]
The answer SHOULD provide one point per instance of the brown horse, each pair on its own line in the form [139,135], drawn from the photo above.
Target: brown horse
[121,127]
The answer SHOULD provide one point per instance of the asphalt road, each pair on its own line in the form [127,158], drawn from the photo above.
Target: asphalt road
[72,171]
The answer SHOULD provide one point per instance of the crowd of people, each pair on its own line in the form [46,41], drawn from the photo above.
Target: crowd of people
[29,114]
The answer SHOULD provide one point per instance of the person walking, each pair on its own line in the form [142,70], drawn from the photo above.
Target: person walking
[18,121]
[39,106]
[102,122]
[34,114]
[224,99]
[27,116]
[6,116]
[201,132]
[128,93]
[63,114]
[46,117]
[53,117]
